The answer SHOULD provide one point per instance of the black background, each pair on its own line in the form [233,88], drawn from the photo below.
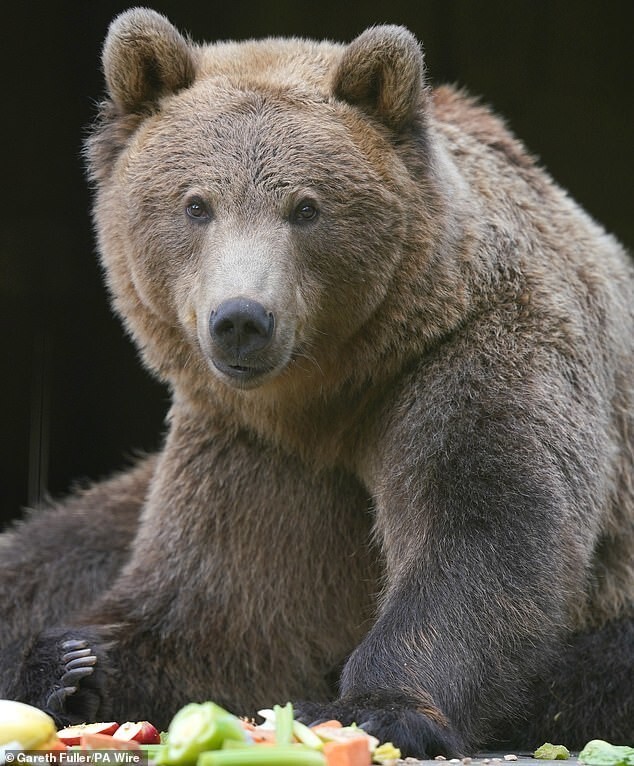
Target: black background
[75,400]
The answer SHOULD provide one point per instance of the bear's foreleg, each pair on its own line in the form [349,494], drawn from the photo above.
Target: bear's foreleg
[488,535]
[250,581]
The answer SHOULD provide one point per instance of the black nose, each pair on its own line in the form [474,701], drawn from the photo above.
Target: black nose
[241,326]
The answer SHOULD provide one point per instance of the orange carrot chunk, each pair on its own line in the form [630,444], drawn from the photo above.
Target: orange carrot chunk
[351,752]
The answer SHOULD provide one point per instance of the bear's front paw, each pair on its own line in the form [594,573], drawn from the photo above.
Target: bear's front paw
[419,731]
[77,663]
[61,675]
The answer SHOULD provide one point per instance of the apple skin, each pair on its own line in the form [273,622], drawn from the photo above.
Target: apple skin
[73,734]
[142,732]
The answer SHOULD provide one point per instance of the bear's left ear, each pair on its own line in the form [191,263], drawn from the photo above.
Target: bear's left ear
[382,72]
[145,57]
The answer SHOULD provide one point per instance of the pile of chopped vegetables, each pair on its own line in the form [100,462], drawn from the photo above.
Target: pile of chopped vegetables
[202,735]
[207,735]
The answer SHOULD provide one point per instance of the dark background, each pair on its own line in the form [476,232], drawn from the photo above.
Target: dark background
[75,400]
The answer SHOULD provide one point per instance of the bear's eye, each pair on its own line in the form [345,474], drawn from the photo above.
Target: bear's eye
[198,209]
[306,211]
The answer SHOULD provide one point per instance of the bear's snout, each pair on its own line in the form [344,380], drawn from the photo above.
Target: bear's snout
[241,326]
[241,330]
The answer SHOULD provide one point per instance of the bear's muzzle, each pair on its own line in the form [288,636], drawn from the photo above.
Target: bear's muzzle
[241,329]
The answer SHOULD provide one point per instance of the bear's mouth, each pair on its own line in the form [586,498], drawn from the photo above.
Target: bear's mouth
[242,374]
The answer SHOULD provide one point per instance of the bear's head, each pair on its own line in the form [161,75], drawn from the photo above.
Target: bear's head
[256,200]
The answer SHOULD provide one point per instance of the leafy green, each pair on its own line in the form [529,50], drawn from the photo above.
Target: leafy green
[550,752]
[600,753]
[386,752]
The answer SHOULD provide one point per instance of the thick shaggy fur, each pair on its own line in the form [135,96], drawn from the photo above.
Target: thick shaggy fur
[414,475]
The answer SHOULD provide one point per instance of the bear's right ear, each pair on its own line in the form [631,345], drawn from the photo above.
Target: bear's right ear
[382,72]
[145,57]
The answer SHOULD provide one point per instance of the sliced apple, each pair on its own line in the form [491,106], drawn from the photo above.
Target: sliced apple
[73,734]
[139,731]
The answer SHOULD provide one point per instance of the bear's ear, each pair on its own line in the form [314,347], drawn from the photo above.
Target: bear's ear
[382,72]
[145,57]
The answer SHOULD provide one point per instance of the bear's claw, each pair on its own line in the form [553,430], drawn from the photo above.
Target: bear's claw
[78,661]
[75,644]
[56,703]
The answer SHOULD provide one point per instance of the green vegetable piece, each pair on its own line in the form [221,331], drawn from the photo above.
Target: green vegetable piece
[600,753]
[254,755]
[197,728]
[233,744]
[283,724]
[307,736]
[550,752]
[154,752]
[386,752]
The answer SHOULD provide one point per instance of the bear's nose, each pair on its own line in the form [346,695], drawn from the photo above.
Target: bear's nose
[241,326]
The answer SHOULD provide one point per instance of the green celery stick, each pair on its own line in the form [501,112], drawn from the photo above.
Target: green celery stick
[155,752]
[307,736]
[283,724]
[256,755]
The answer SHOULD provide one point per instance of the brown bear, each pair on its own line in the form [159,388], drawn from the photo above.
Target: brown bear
[396,486]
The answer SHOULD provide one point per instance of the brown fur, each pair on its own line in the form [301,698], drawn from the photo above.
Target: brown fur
[429,482]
